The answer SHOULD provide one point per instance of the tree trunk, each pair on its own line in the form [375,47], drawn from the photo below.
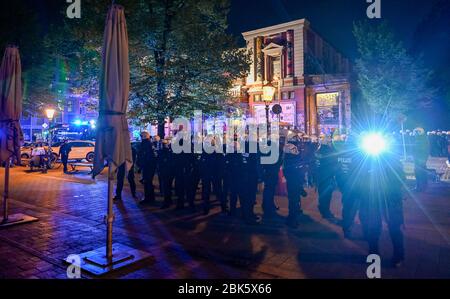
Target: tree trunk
[161,128]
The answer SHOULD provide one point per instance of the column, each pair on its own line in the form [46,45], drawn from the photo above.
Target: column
[290,53]
[259,59]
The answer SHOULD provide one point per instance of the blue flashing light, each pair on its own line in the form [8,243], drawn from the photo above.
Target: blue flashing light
[77,122]
[373,144]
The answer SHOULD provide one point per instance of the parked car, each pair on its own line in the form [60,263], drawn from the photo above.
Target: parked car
[25,150]
[81,149]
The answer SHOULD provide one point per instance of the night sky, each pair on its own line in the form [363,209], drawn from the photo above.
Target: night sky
[333,19]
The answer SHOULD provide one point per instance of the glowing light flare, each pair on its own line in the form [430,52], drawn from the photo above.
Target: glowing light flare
[373,144]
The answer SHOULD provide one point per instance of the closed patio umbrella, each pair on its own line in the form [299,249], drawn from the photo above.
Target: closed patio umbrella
[11,136]
[113,138]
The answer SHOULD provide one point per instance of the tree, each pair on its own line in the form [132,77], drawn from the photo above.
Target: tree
[20,26]
[182,59]
[432,40]
[391,81]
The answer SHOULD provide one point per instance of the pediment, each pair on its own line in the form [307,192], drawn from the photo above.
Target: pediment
[273,49]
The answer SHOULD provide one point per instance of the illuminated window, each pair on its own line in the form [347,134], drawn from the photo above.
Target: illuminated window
[328,109]
[257,98]
[292,95]
[276,67]
[285,95]
[69,106]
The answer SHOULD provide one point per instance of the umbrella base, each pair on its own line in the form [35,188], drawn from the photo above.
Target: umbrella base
[16,219]
[96,262]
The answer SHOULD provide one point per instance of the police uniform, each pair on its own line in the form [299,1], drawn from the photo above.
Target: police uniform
[130,177]
[248,184]
[147,163]
[231,183]
[210,174]
[270,178]
[64,151]
[294,172]
[348,178]
[165,166]
[325,169]
[383,200]
[192,177]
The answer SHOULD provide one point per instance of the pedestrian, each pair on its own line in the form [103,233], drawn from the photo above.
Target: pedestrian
[421,149]
[326,164]
[130,176]
[64,151]
[146,160]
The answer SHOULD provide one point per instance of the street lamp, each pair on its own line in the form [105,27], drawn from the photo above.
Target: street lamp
[268,93]
[50,112]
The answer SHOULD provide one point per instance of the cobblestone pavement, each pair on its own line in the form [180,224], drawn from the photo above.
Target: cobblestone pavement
[186,244]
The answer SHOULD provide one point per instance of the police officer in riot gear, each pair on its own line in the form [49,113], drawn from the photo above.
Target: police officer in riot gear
[165,166]
[192,176]
[270,179]
[146,161]
[211,176]
[325,169]
[348,169]
[293,170]
[384,180]
[248,186]
[130,177]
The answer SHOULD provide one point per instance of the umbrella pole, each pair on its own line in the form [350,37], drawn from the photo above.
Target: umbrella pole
[10,220]
[6,192]
[110,216]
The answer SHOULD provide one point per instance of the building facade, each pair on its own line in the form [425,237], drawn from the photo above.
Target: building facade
[311,78]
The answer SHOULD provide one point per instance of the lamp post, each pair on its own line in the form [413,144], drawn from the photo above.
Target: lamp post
[268,93]
[50,113]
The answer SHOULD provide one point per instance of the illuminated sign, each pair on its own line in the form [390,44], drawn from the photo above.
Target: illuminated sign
[288,115]
[327,99]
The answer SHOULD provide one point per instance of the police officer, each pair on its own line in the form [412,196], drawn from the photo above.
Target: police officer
[421,150]
[165,166]
[384,179]
[248,184]
[157,146]
[130,177]
[210,166]
[192,176]
[64,151]
[324,176]
[147,163]
[270,179]
[348,170]
[295,177]
[232,172]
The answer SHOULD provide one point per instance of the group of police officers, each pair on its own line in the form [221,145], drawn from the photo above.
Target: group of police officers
[371,187]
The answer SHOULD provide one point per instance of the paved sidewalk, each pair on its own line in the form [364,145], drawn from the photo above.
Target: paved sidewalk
[186,244]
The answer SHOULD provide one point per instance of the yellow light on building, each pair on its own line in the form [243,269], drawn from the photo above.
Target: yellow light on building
[268,93]
[50,112]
